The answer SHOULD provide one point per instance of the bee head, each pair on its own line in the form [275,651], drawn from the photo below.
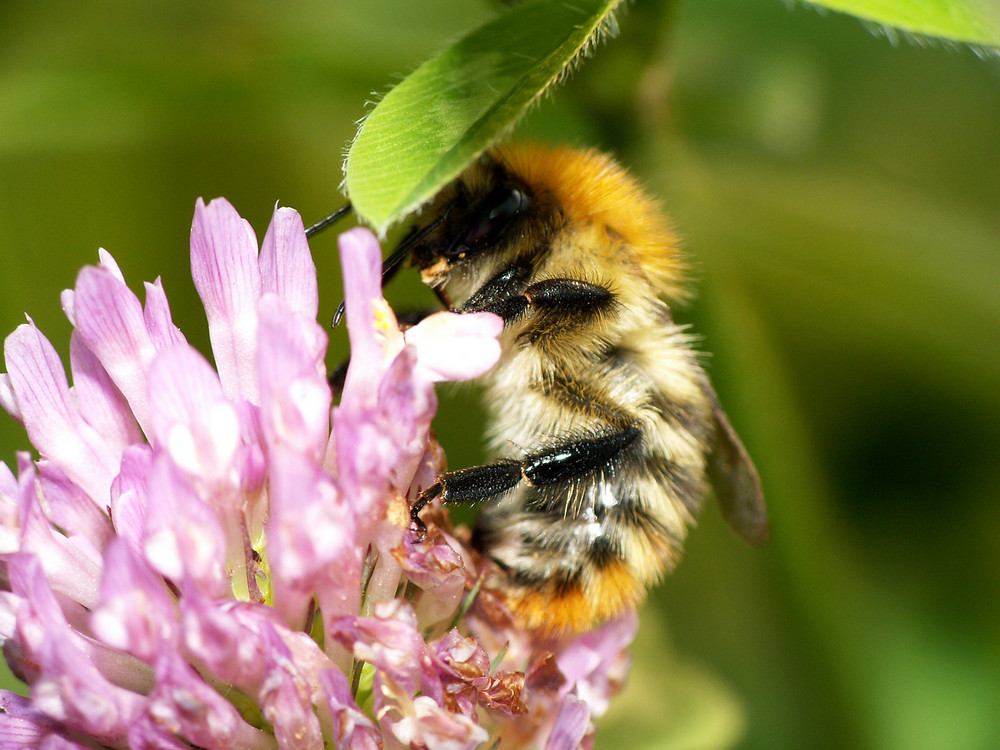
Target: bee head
[471,225]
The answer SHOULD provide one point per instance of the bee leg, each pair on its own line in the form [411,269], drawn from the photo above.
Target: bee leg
[561,296]
[565,461]
[508,283]
[425,497]
[472,485]
[578,458]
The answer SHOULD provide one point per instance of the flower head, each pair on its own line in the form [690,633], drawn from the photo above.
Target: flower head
[212,555]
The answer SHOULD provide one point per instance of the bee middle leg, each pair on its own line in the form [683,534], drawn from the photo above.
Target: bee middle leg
[565,461]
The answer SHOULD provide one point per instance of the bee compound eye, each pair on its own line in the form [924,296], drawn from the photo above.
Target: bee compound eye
[499,209]
[513,203]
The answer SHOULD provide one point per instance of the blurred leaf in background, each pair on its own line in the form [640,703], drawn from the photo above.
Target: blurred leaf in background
[976,22]
[838,196]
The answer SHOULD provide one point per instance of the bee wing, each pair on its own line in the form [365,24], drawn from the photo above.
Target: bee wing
[732,473]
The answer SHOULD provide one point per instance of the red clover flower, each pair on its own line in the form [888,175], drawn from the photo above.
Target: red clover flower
[217,557]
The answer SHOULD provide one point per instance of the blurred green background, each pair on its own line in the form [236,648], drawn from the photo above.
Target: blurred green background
[839,196]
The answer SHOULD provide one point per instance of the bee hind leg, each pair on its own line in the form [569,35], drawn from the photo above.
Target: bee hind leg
[469,486]
[566,461]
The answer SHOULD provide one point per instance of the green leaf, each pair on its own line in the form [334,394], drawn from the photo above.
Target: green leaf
[454,106]
[972,21]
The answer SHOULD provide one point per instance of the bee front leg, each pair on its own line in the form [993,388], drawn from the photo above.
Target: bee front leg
[506,296]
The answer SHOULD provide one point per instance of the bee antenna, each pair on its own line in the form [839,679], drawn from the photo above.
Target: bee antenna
[401,253]
[396,258]
[333,218]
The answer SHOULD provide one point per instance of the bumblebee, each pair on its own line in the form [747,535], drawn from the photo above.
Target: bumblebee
[607,429]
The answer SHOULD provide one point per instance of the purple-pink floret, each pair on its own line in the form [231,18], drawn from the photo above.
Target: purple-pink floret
[212,554]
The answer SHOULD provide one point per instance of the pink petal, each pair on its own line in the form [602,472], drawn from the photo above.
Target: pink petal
[310,538]
[8,400]
[225,637]
[286,264]
[10,522]
[106,261]
[369,326]
[455,672]
[432,726]
[128,497]
[184,540]
[295,396]
[437,569]
[50,416]
[69,687]
[67,298]
[191,418]
[365,455]
[571,725]
[351,727]
[156,313]
[72,569]
[456,347]
[389,641]
[595,663]
[408,404]
[68,508]
[24,727]
[110,321]
[136,613]
[147,734]
[183,704]
[101,403]
[226,274]
[285,698]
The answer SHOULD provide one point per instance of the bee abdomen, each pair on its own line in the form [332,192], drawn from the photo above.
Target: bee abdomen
[565,573]
[579,551]
[605,505]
